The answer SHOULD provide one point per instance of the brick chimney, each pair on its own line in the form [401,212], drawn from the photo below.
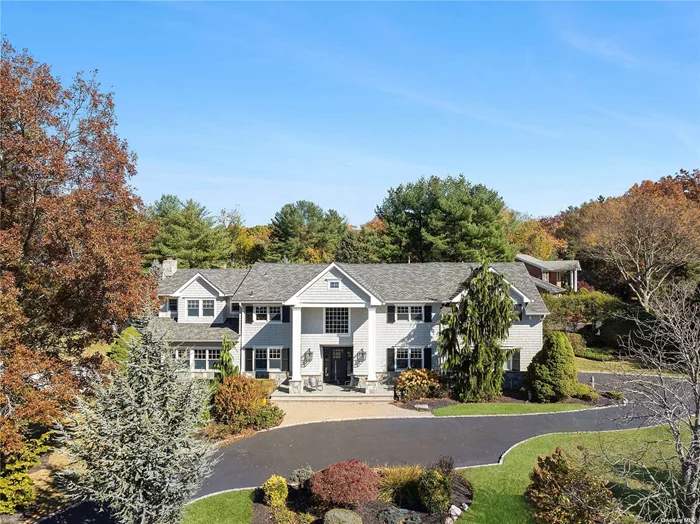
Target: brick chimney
[169,267]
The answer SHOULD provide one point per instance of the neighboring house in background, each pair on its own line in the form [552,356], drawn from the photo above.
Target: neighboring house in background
[550,276]
[329,322]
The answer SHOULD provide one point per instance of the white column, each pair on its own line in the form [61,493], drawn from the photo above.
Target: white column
[574,280]
[371,343]
[296,343]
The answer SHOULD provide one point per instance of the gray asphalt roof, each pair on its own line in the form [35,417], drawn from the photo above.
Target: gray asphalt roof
[173,331]
[276,282]
[227,280]
[433,281]
[548,286]
[549,265]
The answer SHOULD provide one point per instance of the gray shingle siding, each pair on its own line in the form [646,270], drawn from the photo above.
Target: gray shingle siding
[319,292]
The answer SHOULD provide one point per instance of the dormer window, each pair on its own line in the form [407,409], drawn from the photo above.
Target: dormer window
[172,305]
[334,284]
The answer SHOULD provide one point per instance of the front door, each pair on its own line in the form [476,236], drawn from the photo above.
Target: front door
[337,365]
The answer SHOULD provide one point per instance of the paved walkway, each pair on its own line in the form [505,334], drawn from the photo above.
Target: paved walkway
[304,412]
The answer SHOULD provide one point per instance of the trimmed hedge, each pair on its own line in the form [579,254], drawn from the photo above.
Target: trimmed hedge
[551,375]
[344,484]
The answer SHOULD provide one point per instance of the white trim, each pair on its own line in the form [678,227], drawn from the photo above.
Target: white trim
[198,275]
[409,348]
[349,305]
[409,320]
[200,300]
[293,300]
[267,313]
[349,333]
[267,358]
[526,299]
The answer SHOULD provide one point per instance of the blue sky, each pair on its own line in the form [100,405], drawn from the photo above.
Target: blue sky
[259,104]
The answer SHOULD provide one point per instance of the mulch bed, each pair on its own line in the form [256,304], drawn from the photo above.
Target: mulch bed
[514,396]
[462,493]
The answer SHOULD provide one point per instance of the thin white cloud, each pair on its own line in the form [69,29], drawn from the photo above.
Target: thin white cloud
[607,49]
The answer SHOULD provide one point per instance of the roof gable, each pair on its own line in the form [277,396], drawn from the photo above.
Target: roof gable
[350,289]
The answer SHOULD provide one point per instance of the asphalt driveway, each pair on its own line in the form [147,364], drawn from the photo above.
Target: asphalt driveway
[470,440]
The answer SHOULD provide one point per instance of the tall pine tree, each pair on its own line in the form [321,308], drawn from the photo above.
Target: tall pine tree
[471,336]
[133,446]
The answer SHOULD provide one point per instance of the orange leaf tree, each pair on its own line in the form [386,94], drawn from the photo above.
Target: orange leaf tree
[648,234]
[72,234]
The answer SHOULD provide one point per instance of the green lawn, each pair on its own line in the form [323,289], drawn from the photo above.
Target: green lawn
[236,506]
[498,490]
[504,408]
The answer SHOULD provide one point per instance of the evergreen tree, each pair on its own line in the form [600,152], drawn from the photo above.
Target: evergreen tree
[304,232]
[133,444]
[471,335]
[225,364]
[189,233]
[444,220]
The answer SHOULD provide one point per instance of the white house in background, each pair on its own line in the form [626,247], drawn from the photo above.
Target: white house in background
[331,323]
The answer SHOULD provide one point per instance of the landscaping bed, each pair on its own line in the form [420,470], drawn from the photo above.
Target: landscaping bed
[351,492]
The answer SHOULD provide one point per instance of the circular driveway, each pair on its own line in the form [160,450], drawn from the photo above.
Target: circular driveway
[470,440]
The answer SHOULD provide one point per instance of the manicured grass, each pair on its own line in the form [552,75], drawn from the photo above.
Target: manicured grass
[235,506]
[615,366]
[498,490]
[505,408]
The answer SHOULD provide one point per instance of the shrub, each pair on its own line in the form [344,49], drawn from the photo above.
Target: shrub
[614,395]
[599,355]
[305,518]
[284,515]
[341,516]
[435,491]
[417,383]
[302,476]
[215,431]
[275,491]
[445,465]
[16,487]
[267,386]
[267,416]
[394,515]
[241,402]
[552,373]
[612,331]
[562,492]
[400,485]
[586,392]
[578,343]
[344,484]
[119,349]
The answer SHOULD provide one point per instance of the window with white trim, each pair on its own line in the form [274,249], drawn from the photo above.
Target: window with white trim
[334,284]
[181,354]
[266,360]
[261,313]
[405,358]
[275,313]
[172,305]
[192,308]
[205,359]
[406,313]
[337,320]
[207,308]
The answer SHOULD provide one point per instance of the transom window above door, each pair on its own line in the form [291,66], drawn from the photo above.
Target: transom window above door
[337,320]
[406,313]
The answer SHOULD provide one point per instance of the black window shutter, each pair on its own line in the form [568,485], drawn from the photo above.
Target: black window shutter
[428,357]
[248,359]
[285,314]
[285,359]
[249,314]
[390,315]
[427,313]
[390,359]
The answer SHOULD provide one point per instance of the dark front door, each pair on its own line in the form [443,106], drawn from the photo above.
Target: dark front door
[337,365]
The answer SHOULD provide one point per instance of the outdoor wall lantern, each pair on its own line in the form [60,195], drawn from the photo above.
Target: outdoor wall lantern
[307,357]
[360,357]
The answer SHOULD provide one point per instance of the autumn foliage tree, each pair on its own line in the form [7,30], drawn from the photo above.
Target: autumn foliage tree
[72,233]
[648,234]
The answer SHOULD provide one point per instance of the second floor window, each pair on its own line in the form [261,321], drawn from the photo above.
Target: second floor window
[193,308]
[406,313]
[268,313]
[207,308]
[172,305]
[337,320]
